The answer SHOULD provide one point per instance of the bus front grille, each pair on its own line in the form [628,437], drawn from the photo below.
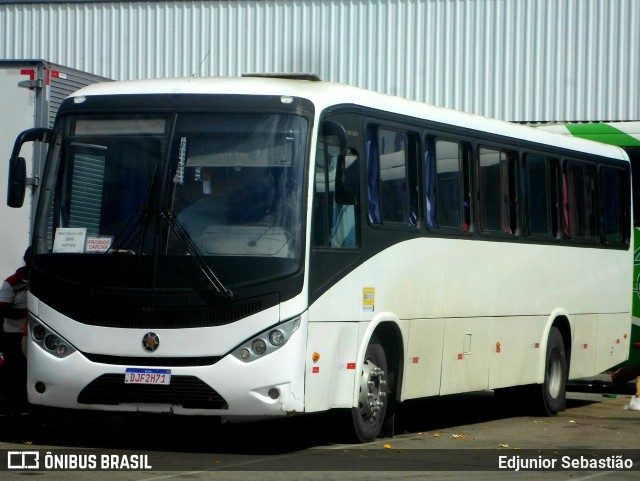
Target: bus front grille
[115,314]
[186,391]
[152,361]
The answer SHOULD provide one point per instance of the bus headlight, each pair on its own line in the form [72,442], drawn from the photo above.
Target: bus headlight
[259,347]
[266,342]
[48,340]
[276,337]
[51,342]
[56,344]
[38,332]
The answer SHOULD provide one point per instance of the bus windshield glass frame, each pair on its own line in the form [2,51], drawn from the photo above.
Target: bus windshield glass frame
[203,184]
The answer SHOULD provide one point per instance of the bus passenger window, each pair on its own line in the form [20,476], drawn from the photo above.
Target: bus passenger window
[541,196]
[451,205]
[497,191]
[614,213]
[579,201]
[397,182]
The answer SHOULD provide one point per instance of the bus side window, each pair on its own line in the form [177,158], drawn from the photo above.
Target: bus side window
[342,227]
[579,184]
[334,221]
[541,195]
[614,200]
[393,163]
[497,191]
[448,202]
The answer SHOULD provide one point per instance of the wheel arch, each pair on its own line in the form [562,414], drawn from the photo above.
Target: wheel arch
[560,320]
[564,326]
[391,333]
[386,330]
[390,336]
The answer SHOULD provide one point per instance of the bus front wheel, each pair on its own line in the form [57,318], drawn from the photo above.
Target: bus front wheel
[368,417]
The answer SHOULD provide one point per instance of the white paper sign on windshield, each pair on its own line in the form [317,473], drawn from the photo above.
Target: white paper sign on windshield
[69,240]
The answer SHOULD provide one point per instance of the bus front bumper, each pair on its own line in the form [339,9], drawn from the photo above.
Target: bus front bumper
[272,385]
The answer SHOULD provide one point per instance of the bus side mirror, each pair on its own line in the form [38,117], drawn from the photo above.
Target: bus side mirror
[17,181]
[331,128]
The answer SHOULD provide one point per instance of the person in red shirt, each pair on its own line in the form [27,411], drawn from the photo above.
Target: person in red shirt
[13,312]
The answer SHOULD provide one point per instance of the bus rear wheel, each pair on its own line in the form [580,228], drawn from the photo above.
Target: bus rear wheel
[555,376]
[368,417]
[548,398]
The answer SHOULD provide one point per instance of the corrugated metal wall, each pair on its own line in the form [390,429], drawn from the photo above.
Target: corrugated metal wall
[521,60]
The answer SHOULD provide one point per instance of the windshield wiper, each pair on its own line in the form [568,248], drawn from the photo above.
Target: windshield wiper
[139,220]
[192,249]
[127,234]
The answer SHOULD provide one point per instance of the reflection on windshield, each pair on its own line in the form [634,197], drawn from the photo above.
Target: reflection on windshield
[237,188]
[231,182]
[239,210]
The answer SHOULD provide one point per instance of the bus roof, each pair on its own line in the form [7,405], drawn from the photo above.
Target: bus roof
[325,94]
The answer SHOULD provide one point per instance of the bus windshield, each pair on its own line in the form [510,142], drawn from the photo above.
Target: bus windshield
[186,184]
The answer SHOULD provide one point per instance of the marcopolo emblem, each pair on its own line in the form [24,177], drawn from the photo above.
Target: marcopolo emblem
[150,342]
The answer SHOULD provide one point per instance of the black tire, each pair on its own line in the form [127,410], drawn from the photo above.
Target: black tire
[554,390]
[369,416]
[545,399]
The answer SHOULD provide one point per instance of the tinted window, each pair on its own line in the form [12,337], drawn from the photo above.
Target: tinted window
[541,192]
[579,193]
[614,206]
[452,187]
[393,195]
[497,192]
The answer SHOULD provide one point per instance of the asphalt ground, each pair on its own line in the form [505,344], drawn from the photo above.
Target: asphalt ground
[449,437]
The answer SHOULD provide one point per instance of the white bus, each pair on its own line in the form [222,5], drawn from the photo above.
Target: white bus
[255,246]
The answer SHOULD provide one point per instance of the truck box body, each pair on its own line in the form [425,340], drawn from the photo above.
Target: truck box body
[31,92]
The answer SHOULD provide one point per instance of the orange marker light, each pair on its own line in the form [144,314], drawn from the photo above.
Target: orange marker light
[315,357]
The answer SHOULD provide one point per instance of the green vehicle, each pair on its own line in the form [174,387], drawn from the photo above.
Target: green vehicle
[627,136]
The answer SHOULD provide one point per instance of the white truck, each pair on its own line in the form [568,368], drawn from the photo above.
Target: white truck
[30,93]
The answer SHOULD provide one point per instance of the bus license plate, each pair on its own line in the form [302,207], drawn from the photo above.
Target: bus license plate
[147,376]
